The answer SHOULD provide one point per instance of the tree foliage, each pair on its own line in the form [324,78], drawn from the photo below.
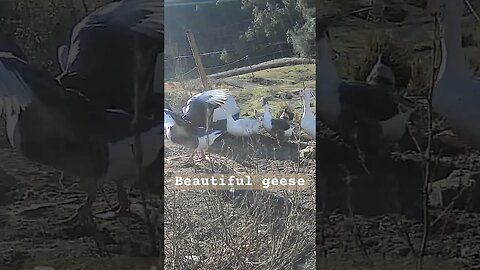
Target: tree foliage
[231,33]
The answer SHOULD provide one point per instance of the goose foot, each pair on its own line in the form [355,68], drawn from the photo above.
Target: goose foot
[83,218]
[120,209]
[201,156]
[61,179]
[115,211]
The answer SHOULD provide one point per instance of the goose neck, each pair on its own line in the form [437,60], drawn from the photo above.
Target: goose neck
[306,107]
[266,110]
[228,115]
[326,71]
[453,62]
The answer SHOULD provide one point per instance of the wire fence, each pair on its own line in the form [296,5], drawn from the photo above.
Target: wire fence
[183,67]
[189,70]
[221,50]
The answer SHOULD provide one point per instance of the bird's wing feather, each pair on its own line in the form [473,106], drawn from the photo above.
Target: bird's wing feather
[367,101]
[118,18]
[62,57]
[15,92]
[281,124]
[177,119]
[142,16]
[21,84]
[214,97]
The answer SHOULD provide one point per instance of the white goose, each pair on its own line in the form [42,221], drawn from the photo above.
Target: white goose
[242,126]
[281,128]
[308,118]
[356,110]
[456,93]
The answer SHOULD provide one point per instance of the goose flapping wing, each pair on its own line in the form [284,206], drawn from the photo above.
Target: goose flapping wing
[21,84]
[15,93]
[62,57]
[118,18]
[216,97]
[194,110]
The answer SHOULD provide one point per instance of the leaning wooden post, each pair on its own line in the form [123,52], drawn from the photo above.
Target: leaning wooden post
[203,77]
[198,59]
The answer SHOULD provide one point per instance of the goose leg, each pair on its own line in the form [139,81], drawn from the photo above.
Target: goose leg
[84,213]
[119,209]
[61,179]
[139,93]
[144,67]
[122,198]
[357,142]
[280,138]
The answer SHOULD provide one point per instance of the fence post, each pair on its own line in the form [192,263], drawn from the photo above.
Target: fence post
[198,60]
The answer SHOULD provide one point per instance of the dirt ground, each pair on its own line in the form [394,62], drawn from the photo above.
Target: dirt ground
[32,200]
[244,225]
[375,221]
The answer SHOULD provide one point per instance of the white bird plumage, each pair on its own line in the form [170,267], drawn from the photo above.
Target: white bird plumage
[242,126]
[456,93]
[206,141]
[308,121]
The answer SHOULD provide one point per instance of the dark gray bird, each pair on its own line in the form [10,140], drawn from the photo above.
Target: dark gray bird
[112,58]
[206,105]
[180,132]
[66,130]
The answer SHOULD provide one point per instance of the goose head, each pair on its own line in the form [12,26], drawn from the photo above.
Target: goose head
[264,101]
[307,96]
[267,117]
[322,29]
[266,108]
[287,114]
[380,58]
[322,39]
[325,68]
[449,11]
[257,114]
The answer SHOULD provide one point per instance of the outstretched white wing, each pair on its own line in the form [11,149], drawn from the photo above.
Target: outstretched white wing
[15,93]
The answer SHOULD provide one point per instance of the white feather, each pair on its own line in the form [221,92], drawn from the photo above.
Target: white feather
[62,57]
[15,94]
[308,122]
[122,161]
[267,117]
[204,143]
[457,93]
[242,126]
